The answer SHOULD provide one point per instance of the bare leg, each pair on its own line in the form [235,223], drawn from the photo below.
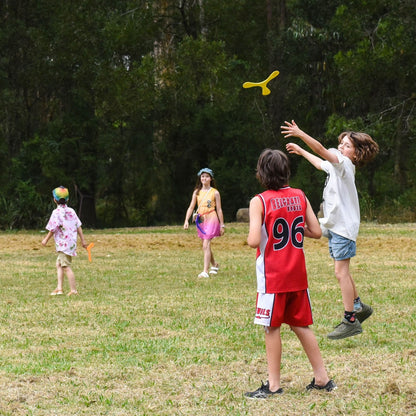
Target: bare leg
[214,264]
[347,285]
[71,278]
[60,276]
[311,347]
[206,247]
[274,356]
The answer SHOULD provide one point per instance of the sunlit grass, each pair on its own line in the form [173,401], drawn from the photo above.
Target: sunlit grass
[147,337]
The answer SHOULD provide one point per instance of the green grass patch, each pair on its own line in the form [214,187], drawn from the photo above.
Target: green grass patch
[147,337]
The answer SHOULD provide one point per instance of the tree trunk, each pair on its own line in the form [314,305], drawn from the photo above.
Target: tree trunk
[86,208]
[276,23]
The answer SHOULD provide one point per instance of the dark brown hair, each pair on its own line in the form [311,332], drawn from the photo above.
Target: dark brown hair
[198,185]
[366,148]
[273,169]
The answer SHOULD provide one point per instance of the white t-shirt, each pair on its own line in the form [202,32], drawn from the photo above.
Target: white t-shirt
[341,206]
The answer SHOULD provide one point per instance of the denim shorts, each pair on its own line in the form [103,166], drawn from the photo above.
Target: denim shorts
[341,248]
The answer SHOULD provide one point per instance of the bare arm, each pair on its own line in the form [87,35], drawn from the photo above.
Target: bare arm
[291,129]
[47,238]
[314,160]
[219,211]
[189,211]
[256,221]
[81,236]
[312,227]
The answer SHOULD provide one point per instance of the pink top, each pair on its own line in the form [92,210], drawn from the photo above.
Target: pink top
[64,223]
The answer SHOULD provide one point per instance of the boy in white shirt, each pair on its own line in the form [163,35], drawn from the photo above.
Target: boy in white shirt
[341,220]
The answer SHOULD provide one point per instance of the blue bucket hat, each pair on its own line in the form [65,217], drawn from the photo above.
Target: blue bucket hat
[206,170]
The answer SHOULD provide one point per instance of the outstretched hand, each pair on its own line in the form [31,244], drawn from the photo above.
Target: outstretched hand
[293,148]
[290,129]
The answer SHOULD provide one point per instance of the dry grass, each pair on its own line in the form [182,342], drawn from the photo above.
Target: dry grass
[147,337]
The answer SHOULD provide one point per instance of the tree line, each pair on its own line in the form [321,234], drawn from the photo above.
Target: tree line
[123,101]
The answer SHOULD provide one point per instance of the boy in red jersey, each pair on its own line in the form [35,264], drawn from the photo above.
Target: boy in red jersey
[280,218]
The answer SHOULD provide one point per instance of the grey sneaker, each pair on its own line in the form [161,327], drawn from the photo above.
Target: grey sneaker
[330,386]
[262,392]
[364,312]
[346,329]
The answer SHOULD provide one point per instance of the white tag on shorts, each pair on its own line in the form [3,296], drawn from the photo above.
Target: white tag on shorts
[264,308]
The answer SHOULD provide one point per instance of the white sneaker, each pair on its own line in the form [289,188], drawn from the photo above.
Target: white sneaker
[214,270]
[203,274]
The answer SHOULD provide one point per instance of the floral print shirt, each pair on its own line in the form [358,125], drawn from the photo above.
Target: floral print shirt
[64,223]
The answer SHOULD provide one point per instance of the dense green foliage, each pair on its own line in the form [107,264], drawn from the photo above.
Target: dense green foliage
[123,101]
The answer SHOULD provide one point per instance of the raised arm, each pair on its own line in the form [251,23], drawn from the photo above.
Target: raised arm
[314,160]
[292,130]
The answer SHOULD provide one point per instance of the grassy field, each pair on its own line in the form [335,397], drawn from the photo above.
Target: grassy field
[147,337]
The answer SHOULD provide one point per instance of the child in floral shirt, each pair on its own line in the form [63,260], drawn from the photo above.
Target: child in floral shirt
[65,226]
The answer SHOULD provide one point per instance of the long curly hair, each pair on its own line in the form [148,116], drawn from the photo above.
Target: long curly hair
[366,148]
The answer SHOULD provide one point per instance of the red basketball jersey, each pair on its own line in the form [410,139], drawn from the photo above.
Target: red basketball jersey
[280,263]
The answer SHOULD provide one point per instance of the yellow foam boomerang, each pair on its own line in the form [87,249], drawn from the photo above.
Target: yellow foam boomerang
[264,89]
